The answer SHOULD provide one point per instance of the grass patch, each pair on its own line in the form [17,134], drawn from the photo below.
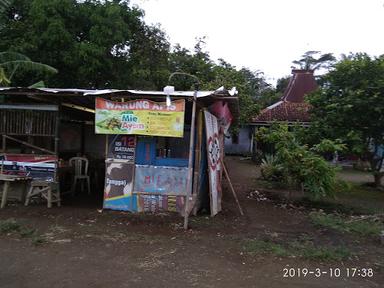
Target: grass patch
[305,250]
[38,240]
[309,251]
[260,246]
[9,225]
[27,232]
[360,226]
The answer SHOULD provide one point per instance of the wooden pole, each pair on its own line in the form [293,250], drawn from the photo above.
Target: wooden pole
[190,162]
[233,190]
[196,179]
[4,143]
[106,147]
[57,135]
[3,151]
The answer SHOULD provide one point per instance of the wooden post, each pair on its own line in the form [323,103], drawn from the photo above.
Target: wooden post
[196,179]
[190,162]
[3,150]
[56,140]
[5,194]
[82,140]
[106,147]
[4,143]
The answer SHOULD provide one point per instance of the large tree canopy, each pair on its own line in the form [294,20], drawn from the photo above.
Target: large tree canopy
[94,44]
[350,106]
[251,85]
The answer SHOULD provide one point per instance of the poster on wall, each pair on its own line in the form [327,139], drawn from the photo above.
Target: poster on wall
[38,167]
[118,186]
[214,155]
[161,180]
[122,147]
[223,114]
[140,117]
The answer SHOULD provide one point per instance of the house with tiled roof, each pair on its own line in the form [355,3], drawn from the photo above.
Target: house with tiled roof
[291,108]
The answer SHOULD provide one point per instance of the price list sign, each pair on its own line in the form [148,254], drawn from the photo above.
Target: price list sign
[122,147]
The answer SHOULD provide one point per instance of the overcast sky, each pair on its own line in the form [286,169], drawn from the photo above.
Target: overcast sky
[268,35]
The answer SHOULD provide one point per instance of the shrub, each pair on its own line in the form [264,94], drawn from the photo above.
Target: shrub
[271,169]
[9,225]
[296,164]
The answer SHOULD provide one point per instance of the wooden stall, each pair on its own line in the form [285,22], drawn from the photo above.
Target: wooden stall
[157,155]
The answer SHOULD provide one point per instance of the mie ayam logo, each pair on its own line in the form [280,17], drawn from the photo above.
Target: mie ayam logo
[130,122]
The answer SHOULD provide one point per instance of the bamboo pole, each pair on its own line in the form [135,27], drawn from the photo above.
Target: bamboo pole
[232,189]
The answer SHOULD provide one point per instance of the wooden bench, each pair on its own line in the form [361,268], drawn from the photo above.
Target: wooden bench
[46,189]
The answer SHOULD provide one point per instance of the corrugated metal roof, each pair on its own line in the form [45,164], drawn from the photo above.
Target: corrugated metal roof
[86,97]
[86,92]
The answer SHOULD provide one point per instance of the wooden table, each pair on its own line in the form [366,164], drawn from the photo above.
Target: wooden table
[7,179]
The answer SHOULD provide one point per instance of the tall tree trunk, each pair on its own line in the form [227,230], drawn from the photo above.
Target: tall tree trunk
[376,163]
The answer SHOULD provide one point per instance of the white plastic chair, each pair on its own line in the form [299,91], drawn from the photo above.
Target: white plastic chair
[80,165]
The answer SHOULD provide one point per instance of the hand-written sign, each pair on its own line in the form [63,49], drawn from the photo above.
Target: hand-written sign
[122,147]
[160,180]
[214,154]
[140,117]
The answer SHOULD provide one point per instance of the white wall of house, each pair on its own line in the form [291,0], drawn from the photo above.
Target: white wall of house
[240,145]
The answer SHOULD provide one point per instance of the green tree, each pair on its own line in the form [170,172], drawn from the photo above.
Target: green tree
[313,60]
[197,63]
[94,44]
[245,81]
[249,84]
[282,84]
[350,106]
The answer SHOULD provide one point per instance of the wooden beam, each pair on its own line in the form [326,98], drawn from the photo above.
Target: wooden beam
[30,145]
[78,107]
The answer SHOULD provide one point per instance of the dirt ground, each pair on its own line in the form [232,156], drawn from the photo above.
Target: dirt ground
[86,247]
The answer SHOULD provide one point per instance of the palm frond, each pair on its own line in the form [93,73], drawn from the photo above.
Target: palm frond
[12,56]
[28,65]
[39,84]
[3,77]
[4,5]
